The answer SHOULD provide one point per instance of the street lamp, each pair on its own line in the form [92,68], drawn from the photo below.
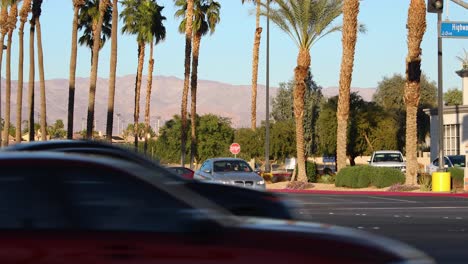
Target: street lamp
[437,6]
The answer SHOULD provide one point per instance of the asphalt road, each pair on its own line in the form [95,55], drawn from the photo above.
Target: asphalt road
[435,225]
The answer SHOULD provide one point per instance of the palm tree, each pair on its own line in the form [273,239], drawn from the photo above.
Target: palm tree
[11,25]
[416,28]
[156,32]
[305,21]
[135,23]
[31,95]
[350,28]
[3,31]
[87,21]
[255,57]
[205,18]
[112,71]
[103,7]
[77,4]
[24,12]
[188,51]
[36,9]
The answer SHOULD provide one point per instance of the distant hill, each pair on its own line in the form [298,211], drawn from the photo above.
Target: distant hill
[223,99]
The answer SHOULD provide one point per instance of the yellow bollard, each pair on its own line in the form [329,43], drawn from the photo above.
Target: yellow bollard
[441,181]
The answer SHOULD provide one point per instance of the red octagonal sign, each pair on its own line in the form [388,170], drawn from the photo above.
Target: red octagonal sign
[234,148]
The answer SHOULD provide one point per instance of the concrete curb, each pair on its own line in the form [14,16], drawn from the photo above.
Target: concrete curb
[377,193]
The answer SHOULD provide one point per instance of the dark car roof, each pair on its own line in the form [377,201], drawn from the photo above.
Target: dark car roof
[226,159]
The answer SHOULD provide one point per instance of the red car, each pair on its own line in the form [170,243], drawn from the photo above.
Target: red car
[184,172]
[74,209]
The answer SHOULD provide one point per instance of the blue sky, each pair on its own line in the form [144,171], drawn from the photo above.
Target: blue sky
[226,55]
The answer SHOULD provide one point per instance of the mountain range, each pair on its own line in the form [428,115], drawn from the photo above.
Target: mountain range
[222,99]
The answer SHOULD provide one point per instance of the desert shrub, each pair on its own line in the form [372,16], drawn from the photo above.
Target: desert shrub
[354,177]
[326,178]
[425,182]
[383,177]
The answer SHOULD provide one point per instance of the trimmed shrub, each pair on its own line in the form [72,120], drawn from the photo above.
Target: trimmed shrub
[326,178]
[364,176]
[353,177]
[457,174]
[384,177]
[311,171]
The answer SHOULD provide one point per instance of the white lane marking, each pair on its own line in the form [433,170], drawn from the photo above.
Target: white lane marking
[393,208]
[458,218]
[392,199]
[376,228]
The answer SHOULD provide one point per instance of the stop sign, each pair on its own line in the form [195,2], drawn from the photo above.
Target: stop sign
[234,148]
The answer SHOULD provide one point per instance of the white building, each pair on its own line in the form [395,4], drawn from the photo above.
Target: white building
[455,124]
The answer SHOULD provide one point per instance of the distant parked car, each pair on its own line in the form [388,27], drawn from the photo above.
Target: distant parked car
[229,171]
[449,162]
[388,159]
[184,172]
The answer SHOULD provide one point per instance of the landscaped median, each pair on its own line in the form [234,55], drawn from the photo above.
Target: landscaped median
[367,180]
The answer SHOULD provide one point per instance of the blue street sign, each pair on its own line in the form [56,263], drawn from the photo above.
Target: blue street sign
[450,29]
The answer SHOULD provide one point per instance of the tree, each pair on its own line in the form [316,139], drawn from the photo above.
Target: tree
[11,25]
[255,58]
[305,22]
[57,130]
[3,32]
[77,5]
[188,51]
[87,22]
[103,7]
[36,9]
[251,142]
[453,97]
[349,38]
[32,71]
[156,33]
[416,28]
[112,71]
[24,12]
[205,17]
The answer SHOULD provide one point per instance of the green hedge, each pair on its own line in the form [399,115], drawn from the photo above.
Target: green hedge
[365,176]
[311,171]
[456,173]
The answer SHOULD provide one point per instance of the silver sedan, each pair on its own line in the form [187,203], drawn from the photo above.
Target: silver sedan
[231,171]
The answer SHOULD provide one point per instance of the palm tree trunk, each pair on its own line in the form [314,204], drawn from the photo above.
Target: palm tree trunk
[350,27]
[416,29]
[193,97]
[149,87]
[71,85]
[4,31]
[31,81]
[19,95]
[188,53]
[94,69]
[300,75]
[40,60]
[113,69]
[136,113]
[6,131]
[256,51]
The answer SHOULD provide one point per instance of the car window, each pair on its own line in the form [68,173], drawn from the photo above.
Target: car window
[458,161]
[387,157]
[30,200]
[205,166]
[231,166]
[106,200]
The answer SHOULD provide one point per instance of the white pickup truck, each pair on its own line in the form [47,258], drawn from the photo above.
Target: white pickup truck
[389,159]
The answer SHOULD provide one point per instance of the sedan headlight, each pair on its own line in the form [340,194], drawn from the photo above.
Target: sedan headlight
[262,182]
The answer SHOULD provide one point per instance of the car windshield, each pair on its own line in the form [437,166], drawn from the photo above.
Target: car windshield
[387,157]
[231,166]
